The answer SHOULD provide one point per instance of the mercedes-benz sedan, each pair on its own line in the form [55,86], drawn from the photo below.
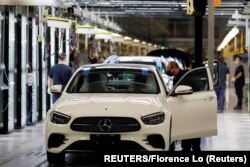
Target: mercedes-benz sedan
[127,107]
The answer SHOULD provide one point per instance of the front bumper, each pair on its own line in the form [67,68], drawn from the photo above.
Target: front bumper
[61,138]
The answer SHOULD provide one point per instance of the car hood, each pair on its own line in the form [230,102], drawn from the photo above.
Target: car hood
[109,104]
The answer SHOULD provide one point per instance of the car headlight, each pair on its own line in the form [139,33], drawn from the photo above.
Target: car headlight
[59,118]
[153,119]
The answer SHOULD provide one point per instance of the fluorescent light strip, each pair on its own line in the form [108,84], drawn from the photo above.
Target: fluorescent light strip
[232,33]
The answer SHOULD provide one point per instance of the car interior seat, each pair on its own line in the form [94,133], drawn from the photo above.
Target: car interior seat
[139,83]
[151,84]
[97,83]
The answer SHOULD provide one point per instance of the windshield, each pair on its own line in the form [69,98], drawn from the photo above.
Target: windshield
[158,64]
[114,81]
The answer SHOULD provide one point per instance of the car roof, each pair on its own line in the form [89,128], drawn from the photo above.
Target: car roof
[138,58]
[118,66]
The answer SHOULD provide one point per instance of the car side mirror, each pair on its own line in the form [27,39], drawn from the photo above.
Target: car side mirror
[56,89]
[183,90]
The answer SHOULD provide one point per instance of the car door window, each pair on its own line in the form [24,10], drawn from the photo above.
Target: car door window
[197,79]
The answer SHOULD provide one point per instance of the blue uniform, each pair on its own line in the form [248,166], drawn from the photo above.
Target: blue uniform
[60,75]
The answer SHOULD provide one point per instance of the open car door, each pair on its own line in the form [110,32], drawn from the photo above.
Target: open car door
[193,105]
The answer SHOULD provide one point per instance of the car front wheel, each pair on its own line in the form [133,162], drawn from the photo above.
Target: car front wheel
[55,159]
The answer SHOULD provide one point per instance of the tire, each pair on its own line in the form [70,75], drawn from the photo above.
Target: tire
[55,159]
[172,146]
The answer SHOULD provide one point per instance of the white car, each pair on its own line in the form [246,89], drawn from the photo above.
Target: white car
[158,62]
[127,107]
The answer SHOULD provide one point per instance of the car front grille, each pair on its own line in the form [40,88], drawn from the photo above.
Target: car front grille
[105,124]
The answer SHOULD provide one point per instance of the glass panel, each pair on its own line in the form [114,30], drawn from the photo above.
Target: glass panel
[114,81]
[197,79]
[159,65]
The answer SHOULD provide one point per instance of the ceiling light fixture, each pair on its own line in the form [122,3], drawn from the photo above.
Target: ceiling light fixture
[127,38]
[136,40]
[231,34]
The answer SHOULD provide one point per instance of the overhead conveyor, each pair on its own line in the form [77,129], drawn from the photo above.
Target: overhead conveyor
[156,8]
[117,38]
[58,22]
[85,29]
[53,3]
[57,41]
[61,27]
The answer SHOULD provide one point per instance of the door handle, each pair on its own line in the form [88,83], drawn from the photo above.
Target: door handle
[208,98]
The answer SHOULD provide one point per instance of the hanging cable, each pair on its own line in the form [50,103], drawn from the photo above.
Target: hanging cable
[6,76]
[61,41]
[5,108]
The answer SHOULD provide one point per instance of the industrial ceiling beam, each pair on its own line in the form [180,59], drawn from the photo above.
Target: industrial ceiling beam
[122,8]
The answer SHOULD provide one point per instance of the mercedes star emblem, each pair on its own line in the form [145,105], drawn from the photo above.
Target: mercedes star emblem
[105,125]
